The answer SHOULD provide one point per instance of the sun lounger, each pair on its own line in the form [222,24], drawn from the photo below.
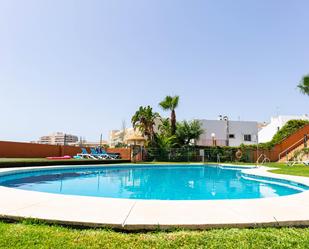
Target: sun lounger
[98,155]
[110,155]
[86,155]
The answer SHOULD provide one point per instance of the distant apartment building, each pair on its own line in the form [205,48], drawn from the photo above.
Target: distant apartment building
[85,143]
[58,138]
[224,132]
[123,136]
[267,132]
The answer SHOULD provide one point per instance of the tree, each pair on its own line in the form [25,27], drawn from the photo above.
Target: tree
[161,147]
[188,131]
[163,142]
[144,120]
[303,86]
[164,127]
[171,103]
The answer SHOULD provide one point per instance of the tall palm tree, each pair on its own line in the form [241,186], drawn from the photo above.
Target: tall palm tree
[304,85]
[171,103]
[144,120]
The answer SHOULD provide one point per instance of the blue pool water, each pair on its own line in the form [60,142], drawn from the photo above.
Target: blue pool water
[153,182]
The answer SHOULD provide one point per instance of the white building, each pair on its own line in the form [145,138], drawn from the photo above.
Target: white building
[224,132]
[58,138]
[269,130]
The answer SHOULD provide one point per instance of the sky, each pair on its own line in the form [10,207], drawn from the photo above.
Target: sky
[82,67]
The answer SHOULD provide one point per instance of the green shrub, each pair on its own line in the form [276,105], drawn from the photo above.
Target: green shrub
[288,129]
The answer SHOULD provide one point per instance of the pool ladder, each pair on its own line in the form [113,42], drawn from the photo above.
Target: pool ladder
[218,158]
[264,159]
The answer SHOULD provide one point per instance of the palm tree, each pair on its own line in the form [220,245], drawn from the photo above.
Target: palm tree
[171,103]
[164,127]
[304,85]
[163,142]
[144,120]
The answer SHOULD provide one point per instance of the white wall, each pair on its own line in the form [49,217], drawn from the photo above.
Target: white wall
[214,126]
[241,128]
[219,127]
[266,133]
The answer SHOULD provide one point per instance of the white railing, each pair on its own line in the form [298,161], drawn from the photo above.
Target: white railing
[218,158]
[264,159]
[210,142]
[289,149]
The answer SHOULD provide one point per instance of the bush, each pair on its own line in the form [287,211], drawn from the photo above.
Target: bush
[192,154]
[288,129]
[228,154]
[184,154]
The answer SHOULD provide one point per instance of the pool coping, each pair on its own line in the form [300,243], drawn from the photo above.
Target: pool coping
[133,214]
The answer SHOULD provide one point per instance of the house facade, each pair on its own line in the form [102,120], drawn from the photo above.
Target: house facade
[224,132]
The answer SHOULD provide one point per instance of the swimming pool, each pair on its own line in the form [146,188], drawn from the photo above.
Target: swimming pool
[155,182]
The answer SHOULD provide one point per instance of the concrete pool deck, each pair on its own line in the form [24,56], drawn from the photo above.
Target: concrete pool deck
[130,214]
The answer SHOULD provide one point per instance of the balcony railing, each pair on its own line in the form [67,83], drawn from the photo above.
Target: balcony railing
[211,142]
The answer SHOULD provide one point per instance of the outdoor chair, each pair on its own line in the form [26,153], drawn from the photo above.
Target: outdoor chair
[86,155]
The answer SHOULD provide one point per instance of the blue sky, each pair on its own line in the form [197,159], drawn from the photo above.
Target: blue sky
[84,66]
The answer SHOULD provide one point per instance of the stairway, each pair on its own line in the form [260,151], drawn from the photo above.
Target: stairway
[289,154]
[285,149]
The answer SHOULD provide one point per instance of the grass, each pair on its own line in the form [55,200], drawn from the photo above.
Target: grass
[297,170]
[23,235]
[29,162]
[283,168]
[8,160]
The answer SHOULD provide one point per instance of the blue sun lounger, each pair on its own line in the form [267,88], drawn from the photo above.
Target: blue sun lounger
[85,155]
[98,155]
[110,155]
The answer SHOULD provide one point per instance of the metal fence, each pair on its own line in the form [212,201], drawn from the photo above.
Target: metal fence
[211,154]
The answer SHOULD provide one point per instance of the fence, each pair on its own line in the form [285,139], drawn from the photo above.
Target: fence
[210,154]
[30,150]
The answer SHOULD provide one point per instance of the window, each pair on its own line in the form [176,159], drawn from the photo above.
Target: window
[247,137]
[231,135]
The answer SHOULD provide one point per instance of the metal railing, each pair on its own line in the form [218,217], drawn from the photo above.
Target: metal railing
[211,142]
[292,147]
[211,154]
[264,159]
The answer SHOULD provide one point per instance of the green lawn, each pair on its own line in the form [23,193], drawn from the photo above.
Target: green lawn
[9,160]
[297,170]
[22,235]
[29,162]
